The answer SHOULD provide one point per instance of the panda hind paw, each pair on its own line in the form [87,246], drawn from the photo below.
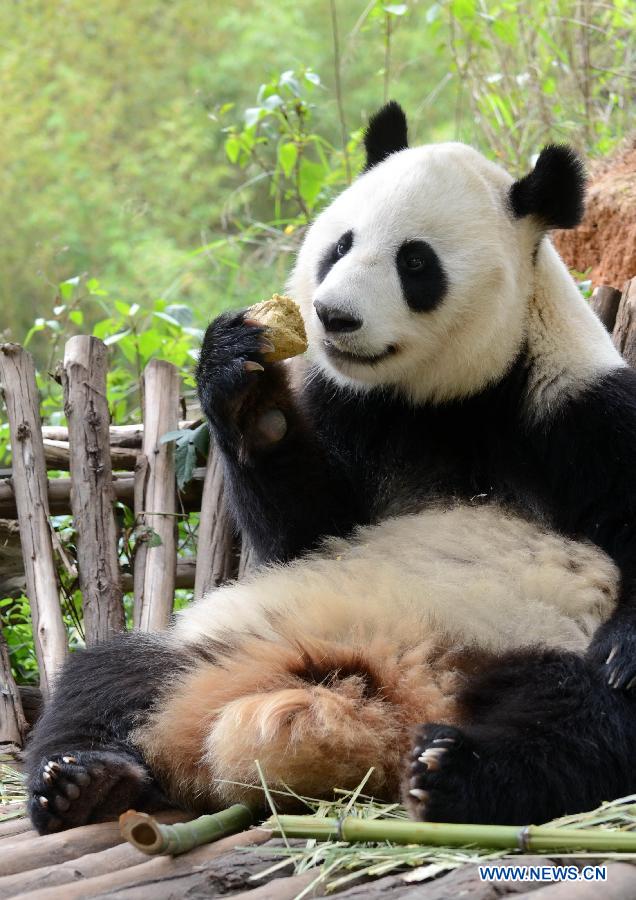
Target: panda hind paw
[78,787]
[437,781]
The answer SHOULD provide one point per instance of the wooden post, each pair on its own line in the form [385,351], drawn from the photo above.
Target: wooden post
[13,726]
[217,553]
[155,500]
[29,483]
[92,494]
[249,561]
[60,494]
[604,301]
[624,335]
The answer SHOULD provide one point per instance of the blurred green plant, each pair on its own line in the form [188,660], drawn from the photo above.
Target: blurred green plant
[550,70]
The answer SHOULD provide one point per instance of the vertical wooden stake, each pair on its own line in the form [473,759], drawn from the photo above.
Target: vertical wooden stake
[604,301]
[13,726]
[92,493]
[17,373]
[624,335]
[156,500]
[249,561]
[217,551]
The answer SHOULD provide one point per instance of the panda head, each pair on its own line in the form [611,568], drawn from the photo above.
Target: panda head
[418,276]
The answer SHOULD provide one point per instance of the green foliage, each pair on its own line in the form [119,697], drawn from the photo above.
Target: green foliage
[550,70]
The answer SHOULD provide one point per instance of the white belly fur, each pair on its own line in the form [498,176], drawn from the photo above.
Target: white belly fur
[476,573]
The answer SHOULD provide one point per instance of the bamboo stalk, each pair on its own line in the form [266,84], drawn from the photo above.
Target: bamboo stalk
[92,495]
[530,838]
[59,494]
[217,553]
[151,837]
[17,373]
[155,499]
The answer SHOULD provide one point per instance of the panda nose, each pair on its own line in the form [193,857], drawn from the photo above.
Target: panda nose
[335,320]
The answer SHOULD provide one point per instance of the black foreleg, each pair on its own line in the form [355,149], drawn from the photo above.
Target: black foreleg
[81,765]
[542,736]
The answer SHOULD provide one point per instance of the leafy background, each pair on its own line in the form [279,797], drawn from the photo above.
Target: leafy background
[160,159]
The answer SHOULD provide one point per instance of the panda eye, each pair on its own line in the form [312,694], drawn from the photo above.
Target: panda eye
[341,248]
[414,263]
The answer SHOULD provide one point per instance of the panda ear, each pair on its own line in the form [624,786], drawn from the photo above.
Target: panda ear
[385,134]
[554,191]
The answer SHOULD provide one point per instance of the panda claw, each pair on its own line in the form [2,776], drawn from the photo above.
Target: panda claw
[44,803]
[69,760]
[250,366]
[432,758]
[419,794]
[612,654]
[46,777]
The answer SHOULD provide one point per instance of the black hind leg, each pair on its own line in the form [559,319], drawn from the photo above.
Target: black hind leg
[81,764]
[542,736]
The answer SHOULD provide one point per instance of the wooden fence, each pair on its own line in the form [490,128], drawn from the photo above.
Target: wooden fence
[127,463]
[105,463]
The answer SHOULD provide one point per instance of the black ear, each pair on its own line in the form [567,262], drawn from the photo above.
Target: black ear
[386,133]
[554,191]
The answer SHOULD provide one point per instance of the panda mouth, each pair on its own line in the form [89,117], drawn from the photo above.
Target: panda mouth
[337,354]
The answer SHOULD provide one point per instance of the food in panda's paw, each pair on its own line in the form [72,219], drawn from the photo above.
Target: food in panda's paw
[285,327]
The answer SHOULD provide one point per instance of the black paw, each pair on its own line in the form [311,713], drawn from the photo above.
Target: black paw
[613,652]
[437,784]
[77,788]
[230,363]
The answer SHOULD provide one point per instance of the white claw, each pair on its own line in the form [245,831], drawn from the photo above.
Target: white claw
[445,741]
[44,802]
[613,653]
[69,760]
[432,758]
[419,794]
[46,777]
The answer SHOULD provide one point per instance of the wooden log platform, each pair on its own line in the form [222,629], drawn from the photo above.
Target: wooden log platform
[94,861]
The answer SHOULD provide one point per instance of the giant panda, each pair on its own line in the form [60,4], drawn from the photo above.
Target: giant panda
[441,497]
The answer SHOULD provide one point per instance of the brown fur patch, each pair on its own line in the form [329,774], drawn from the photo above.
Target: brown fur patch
[317,715]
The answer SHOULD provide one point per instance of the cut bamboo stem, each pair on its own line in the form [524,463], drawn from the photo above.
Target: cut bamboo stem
[92,495]
[17,373]
[13,725]
[155,500]
[148,835]
[217,551]
[530,838]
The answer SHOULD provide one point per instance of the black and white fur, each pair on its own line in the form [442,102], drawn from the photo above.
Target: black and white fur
[452,360]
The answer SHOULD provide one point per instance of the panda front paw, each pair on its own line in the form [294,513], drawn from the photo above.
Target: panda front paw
[613,652]
[240,393]
[80,787]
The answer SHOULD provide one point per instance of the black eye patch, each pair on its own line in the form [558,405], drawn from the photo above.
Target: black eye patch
[422,276]
[334,253]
